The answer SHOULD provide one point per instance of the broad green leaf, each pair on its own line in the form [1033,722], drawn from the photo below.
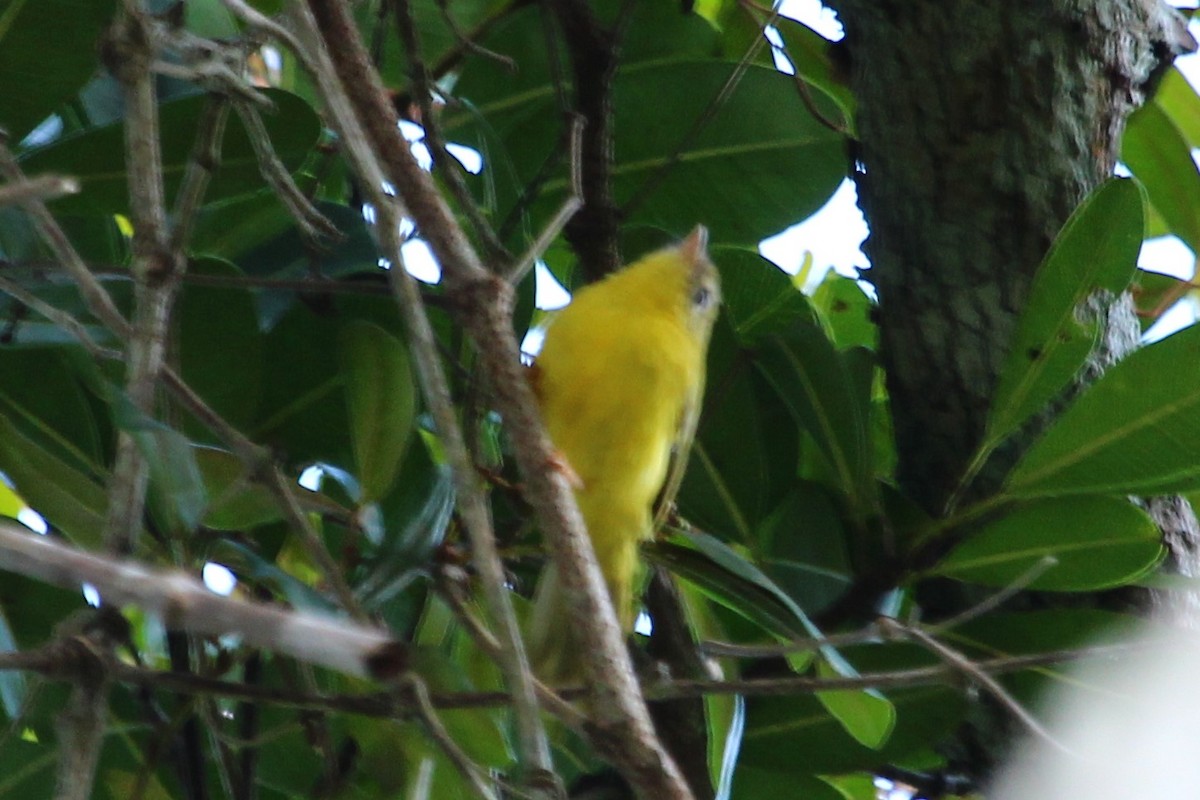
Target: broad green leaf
[55,410]
[744,457]
[753,783]
[382,400]
[846,311]
[1156,152]
[414,517]
[177,493]
[1096,250]
[1176,96]
[11,503]
[235,503]
[1156,294]
[745,174]
[303,409]
[757,298]
[220,345]
[1135,431]
[802,547]
[96,156]
[817,383]
[865,714]
[1097,542]
[774,612]
[66,497]
[797,735]
[47,53]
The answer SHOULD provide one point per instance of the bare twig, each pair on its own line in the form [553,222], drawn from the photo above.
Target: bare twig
[972,670]
[43,187]
[534,747]
[469,770]
[59,317]
[446,165]
[82,725]
[95,296]
[996,600]
[313,224]
[484,304]
[205,160]
[51,662]
[182,601]
[155,267]
[566,211]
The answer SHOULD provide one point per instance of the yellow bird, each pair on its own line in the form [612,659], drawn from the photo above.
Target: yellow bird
[619,379]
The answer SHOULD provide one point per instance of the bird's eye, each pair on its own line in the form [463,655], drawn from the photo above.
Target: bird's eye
[702,297]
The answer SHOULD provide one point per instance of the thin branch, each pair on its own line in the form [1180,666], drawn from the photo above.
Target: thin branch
[58,317]
[313,224]
[154,266]
[998,599]
[184,602]
[204,162]
[95,296]
[534,746]
[469,770]
[83,722]
[960,663]
[53,662]
[43,187]
[484,305]
[446,164]
[566,211]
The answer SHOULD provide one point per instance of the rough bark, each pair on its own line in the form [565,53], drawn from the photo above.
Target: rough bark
[982,125]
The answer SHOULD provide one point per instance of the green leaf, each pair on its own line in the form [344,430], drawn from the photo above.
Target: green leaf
[810,54]
[814,569]
[382,401]
[1176,97]
[745,174]
[96,156]
[1157,154]
[744,457]
[865,714]
[303,409]
[817,383]
[721,573]
[797,735]
[1135,431]
[1097,542]
[66,497]
[846,311]
[47,53]
[235,502]
[177,492]
[220,345]
[1096,250]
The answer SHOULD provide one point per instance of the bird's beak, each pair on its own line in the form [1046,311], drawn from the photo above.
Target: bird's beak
[695,247]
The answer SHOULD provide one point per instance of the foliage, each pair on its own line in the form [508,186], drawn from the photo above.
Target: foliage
[789,499]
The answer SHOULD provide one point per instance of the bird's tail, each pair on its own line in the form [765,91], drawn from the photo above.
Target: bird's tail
[554,646]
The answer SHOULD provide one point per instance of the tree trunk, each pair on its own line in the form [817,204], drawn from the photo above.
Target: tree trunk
[981,126]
